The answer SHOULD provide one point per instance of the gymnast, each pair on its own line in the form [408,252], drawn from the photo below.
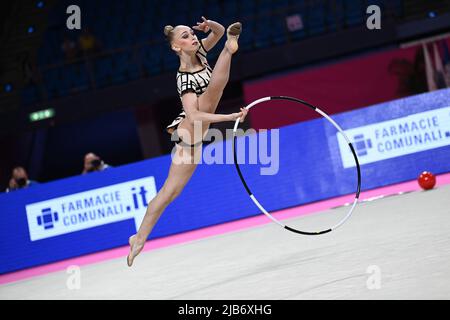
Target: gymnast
[200,89]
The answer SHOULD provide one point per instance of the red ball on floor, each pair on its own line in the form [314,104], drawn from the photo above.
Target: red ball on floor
[427,180]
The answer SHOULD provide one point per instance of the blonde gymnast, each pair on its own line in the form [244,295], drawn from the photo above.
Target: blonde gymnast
[200,89]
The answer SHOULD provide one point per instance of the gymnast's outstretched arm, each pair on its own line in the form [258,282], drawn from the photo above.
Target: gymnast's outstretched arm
[190,105]
[217,31]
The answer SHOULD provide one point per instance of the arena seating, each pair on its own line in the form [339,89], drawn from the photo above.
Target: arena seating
[132,43]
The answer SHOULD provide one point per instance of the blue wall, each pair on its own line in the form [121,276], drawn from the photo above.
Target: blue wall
[310,169]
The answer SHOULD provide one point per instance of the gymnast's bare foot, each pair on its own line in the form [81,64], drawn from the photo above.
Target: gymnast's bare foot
[233,32]
[135,249]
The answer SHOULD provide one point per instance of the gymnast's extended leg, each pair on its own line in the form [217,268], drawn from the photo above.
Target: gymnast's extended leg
[209,100]
[179,175]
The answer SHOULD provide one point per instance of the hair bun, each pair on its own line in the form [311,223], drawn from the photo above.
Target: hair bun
[167,30]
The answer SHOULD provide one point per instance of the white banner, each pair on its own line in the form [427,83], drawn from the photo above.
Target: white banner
[89,209]
[394,138]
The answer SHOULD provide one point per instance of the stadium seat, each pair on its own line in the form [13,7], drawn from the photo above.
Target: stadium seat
[354,12]
[316,19]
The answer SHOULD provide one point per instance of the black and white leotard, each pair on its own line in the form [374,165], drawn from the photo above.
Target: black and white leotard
[195,82]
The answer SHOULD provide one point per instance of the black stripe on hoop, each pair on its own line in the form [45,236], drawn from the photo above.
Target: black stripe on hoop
[358,169]
[238,168]
[305,232]
[293,99]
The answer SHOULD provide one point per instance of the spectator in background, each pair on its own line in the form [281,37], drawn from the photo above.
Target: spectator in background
[12,185]
[69,48]
[92,163]
[19,180]
[88,42]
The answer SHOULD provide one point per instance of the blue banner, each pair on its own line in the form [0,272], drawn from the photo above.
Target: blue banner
[62,219]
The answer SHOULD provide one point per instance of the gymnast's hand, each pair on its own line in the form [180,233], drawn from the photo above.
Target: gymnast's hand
[203,26]
[237,115]
[244,114]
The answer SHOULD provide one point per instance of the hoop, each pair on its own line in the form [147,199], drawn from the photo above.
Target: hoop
[252,196]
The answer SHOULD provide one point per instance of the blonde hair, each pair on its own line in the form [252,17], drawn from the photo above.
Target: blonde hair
[168,32]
